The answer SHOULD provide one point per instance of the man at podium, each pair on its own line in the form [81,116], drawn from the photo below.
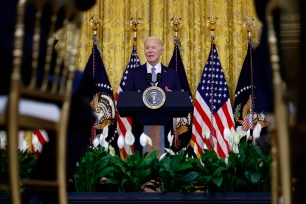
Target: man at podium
[152,73]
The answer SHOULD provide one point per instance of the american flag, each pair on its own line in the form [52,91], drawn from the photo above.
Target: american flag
[42,138]
[33,140]
[247,122]
[212,108]
[123,123]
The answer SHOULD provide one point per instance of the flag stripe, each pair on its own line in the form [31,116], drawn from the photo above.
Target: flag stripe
[196,134]
[42,140]
[247,123]
[228,114]
[200,121]
[120,124]
[204,112]
[222,144]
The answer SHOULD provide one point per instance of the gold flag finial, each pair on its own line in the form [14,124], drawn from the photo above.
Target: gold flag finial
[176,26]
[95,22]
[249,24]
[134,22]
[212,21]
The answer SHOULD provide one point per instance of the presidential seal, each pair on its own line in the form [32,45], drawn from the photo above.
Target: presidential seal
[154,97]
[104,108]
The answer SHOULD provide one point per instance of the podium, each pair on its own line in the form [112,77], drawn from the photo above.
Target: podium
[177,104]
[131,104]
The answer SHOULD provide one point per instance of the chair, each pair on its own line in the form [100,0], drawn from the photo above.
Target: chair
[41,85]
[280,152]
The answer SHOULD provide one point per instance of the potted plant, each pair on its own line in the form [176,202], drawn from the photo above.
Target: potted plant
[248,170]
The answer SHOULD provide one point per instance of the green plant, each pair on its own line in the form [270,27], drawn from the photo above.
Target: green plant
[248,171]
[3,167]
[95,165]
[179,173]
[27,164]
[252,168]
[140,172]
[133,174]
[214,169]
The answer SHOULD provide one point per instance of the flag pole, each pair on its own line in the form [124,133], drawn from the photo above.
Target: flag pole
[249,23]
[134,22]
[212,22]
[176,26]
[212,106]
[95,22]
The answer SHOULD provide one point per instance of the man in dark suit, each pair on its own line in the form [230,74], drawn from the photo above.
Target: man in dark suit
[140,79]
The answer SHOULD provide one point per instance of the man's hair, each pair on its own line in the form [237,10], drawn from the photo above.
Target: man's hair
[153,37]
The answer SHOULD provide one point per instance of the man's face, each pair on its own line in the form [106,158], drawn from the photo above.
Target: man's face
[153,50]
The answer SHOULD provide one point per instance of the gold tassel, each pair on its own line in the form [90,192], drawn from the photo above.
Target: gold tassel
[28,138]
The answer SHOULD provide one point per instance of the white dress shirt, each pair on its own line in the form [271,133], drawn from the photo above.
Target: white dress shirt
[157,68]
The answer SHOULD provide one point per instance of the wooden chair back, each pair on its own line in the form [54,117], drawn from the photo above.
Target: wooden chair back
[43,68]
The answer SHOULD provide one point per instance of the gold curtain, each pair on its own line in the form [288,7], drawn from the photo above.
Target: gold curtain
[116,36]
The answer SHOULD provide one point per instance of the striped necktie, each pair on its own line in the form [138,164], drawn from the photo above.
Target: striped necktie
[153,72]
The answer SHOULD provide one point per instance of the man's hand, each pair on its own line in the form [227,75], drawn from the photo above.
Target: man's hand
[167,89]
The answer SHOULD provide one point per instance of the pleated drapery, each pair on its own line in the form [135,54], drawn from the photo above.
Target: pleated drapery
[116,36]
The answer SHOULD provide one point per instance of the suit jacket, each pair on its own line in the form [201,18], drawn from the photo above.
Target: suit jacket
[137,80]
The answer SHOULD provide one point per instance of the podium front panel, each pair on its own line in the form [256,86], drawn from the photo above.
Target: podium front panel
[177,104]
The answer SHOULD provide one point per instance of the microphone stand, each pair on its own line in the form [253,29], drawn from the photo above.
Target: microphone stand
[154,83]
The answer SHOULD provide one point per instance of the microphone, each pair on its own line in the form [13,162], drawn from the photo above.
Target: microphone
[158,78]
[149,78]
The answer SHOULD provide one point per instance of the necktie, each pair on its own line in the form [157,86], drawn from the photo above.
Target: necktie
[153,75]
